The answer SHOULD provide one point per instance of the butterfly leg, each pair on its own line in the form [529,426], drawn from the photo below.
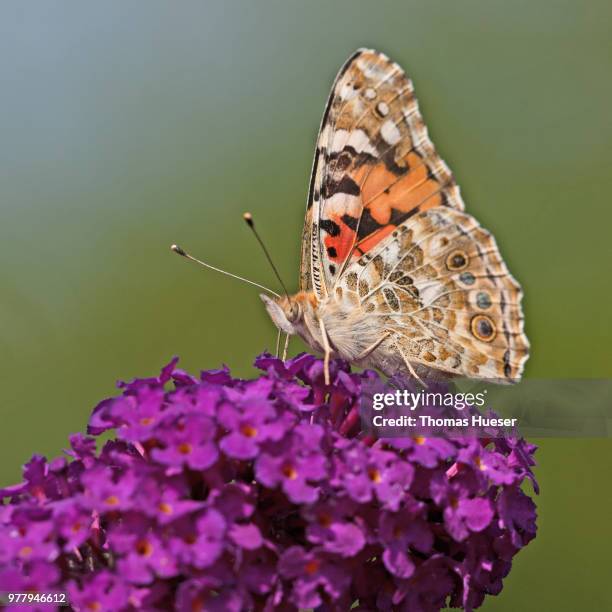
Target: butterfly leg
[286,347]
[373,346]
[409,365]
[278,339]
[327,349]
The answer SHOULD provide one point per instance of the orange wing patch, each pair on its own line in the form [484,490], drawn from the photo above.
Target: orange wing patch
[372,240]
[389,199]
[383,192]
[339,242]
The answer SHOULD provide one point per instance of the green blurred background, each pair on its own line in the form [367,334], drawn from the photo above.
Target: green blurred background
[125,127]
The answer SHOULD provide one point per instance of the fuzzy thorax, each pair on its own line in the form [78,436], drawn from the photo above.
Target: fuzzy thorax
[348,330]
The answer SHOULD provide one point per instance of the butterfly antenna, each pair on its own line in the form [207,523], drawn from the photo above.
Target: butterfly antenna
[177,249]
[249,221]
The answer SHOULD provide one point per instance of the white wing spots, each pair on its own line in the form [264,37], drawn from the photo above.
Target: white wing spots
[356,139]
[360,141]
[347,92]
[421,137]
[429,291]
[382,108]
[392,251]
[390,132]
[408,112]
[440,169]
[369,93]
[324,134]
[351,203]
[418,131]
[374,72]
[338,142]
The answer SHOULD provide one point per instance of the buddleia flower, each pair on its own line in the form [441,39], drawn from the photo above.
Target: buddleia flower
[214,492]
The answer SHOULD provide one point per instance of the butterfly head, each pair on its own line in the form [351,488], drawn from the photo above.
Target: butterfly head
[287,312]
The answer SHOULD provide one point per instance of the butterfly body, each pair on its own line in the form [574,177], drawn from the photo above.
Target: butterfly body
[394,274]
[349,330]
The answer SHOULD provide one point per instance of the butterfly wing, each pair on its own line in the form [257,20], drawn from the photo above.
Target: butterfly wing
[374,167]
[439,285]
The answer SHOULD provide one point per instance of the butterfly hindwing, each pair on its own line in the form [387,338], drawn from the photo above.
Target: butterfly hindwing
[374,167]
[440,286]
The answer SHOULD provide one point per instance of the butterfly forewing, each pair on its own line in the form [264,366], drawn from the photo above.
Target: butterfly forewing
[374,167]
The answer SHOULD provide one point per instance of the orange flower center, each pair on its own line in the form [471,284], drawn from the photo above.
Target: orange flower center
[312,567]
[112,500]
[26,551]
[144,548]
[248,430]
[374,475]
[185,448]
[289,471]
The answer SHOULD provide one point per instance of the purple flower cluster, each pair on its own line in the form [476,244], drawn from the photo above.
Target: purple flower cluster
[225,494]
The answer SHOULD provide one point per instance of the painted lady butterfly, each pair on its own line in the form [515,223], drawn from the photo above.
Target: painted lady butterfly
[394,275]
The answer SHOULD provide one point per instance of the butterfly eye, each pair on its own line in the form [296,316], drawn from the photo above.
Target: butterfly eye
[293,312]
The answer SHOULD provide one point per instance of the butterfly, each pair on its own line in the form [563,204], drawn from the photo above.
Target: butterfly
[394,275]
